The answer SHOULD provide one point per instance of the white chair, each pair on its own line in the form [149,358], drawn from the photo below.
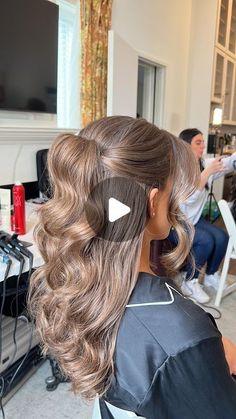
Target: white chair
[116,413]
[230,252]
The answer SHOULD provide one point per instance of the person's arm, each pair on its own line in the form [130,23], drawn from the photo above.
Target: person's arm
[213,167]
[229,164]
[229,349]
[195,383]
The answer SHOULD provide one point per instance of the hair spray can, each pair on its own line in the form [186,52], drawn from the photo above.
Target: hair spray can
[19,207]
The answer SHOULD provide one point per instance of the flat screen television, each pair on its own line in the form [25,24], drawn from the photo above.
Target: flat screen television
[28,55]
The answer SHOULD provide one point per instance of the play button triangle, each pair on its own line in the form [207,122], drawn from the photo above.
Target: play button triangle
[116,209]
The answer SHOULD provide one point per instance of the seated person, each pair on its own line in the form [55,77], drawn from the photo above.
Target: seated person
[210,242]
[118,330]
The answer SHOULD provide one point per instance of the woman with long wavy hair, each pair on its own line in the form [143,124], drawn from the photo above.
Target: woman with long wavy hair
[117,330]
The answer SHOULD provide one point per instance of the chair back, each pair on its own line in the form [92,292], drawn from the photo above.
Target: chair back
[228,220]
[112,412]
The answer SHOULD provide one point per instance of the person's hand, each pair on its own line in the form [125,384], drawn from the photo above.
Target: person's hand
[230,354]
[215,166]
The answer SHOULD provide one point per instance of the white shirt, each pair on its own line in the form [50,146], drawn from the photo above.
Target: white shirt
[193,206]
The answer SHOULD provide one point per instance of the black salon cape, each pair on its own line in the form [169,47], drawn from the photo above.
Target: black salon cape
[169,359]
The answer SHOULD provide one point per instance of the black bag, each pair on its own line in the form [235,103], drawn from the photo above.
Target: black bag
[232,196]
[233,210]
[232,193]
[42,172]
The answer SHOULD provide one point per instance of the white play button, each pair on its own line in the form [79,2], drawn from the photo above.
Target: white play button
[116,209]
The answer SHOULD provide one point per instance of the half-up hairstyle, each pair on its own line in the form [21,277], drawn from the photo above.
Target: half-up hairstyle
[77,298]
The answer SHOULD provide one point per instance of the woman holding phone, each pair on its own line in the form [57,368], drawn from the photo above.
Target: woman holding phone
[210,241]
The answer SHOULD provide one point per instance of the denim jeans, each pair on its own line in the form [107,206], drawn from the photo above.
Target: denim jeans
[209,246]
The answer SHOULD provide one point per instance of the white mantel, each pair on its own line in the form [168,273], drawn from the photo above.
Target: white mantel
[25,135]
[18,148]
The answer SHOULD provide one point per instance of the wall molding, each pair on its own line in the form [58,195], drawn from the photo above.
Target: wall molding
[23,135]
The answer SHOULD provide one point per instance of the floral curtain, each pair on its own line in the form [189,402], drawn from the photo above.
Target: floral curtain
[95,21]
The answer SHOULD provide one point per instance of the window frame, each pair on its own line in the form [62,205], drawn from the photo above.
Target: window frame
[157,100]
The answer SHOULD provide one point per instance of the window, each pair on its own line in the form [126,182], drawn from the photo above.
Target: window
[150,91]
[68,65]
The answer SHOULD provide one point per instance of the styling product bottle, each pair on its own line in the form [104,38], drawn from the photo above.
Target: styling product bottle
[19,207]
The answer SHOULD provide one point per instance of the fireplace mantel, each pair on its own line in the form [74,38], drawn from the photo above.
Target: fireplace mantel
[22,135]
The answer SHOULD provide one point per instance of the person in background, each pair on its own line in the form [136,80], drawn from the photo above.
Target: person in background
[119,331]
[210,242]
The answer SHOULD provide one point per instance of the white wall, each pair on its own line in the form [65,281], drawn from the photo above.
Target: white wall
[175,33]
[18,147]
[201,55]
[160,30]
[179,34]
[122,80]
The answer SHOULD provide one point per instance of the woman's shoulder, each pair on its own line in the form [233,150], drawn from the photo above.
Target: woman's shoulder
[159,309]
[159,326]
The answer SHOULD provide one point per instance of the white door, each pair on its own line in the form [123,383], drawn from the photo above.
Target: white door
[122,77]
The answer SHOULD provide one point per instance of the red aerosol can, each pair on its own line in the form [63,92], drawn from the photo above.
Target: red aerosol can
[19,207]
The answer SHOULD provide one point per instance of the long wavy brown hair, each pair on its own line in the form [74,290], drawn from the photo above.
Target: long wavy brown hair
[77,298]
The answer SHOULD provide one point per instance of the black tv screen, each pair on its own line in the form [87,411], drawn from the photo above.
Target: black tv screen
[28,55]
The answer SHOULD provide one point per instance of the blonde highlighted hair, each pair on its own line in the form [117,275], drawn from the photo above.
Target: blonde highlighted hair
[79,295]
